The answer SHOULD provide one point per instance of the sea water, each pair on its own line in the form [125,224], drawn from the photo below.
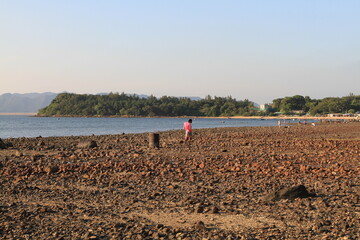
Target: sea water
[29,126]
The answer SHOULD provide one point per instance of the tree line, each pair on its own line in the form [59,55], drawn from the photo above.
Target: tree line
[132,105]
[71,104]
[305,105]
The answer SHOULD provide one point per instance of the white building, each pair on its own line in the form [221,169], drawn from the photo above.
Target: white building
[264,107]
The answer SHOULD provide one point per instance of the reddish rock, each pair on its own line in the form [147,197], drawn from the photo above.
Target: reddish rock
[51,169]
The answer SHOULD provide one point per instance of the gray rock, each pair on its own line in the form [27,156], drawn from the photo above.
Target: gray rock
[2,144]
[87,144]
[288,193]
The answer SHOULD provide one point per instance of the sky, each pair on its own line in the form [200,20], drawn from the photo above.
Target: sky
[247,49]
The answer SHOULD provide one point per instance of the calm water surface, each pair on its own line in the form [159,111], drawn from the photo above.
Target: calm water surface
[27,126]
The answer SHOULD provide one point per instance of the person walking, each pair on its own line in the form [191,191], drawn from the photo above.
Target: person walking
[188,130]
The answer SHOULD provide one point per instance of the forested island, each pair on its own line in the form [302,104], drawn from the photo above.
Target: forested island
[115,104]
[133,105]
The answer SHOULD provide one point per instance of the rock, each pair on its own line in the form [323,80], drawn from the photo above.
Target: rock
[288,193]
[43,210]
[18,153]
[51,169]
[36,157]
[87,144]
[199,208]
[200,225]
[2,144]
[214,209]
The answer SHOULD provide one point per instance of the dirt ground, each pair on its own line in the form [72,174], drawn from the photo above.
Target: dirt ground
[216,187]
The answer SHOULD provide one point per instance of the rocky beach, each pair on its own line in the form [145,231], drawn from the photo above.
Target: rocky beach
[288,182]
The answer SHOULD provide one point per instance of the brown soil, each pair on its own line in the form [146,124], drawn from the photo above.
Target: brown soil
[214,188]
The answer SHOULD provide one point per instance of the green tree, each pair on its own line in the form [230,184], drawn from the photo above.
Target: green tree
[276,104]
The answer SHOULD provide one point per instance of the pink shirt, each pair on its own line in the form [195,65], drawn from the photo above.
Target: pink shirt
[187,126]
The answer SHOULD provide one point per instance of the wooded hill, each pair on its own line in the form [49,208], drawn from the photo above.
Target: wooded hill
[305,105]
[70,104]
[133,105]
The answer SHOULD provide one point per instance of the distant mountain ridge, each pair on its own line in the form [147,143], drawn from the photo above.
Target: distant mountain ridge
[25,102]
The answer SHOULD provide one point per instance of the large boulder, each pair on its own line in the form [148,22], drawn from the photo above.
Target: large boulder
[299,191]
[87,144]
[2,144]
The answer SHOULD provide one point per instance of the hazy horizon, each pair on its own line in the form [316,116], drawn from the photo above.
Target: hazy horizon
[256,50]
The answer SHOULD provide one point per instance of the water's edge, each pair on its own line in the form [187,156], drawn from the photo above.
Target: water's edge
[26,126]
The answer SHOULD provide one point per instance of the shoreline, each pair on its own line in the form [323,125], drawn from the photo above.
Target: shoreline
[224,129]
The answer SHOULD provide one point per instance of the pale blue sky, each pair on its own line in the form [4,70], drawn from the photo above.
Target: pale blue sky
[256,50]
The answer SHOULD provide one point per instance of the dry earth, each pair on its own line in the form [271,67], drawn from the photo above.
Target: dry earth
[214,188]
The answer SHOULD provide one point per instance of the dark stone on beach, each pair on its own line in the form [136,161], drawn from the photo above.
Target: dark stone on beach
[288,193]
[36,157]
[199,209]
[87,144]
[2,144]
[200,226]
[214,209]
[51,169]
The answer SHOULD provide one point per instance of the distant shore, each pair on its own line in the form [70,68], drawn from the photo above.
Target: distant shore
[17,114]
[222,117]
[295,117]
